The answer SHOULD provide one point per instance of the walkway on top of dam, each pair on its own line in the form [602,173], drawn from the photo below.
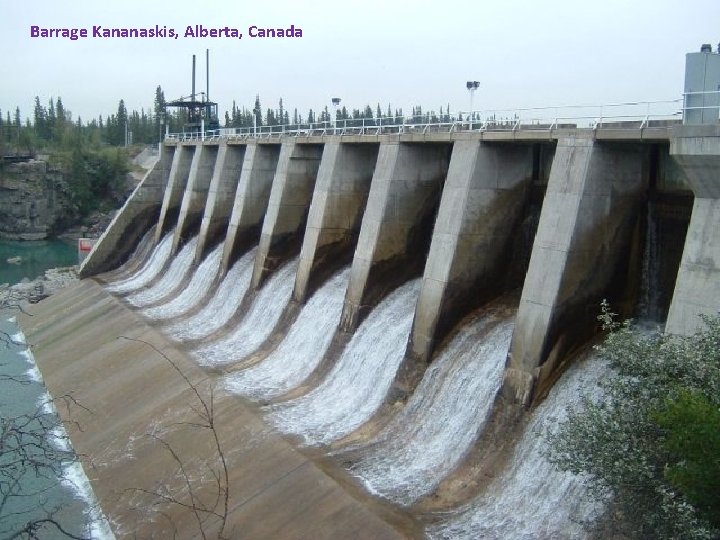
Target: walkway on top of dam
[623,121]
[651,131]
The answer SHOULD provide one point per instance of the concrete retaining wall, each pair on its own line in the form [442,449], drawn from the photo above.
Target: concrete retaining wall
[137,215]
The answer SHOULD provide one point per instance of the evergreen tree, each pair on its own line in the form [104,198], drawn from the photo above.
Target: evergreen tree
[18,123]
[40,119]
[159,111]
[51,119]
[281,112]
[61,121]
[119,124]
[257,111]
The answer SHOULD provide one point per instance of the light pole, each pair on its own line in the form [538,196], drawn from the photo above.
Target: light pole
[335,102]
[471,86]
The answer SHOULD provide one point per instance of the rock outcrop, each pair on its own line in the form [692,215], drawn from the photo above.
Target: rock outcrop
[34,201]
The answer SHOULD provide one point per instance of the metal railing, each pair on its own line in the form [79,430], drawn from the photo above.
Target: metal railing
[628,115]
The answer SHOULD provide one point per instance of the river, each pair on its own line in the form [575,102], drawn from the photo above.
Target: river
[19,260]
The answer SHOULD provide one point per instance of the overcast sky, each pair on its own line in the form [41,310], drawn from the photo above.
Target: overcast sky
[524,53]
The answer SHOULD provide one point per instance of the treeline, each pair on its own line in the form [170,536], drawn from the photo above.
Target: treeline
[53,126]
[243,117]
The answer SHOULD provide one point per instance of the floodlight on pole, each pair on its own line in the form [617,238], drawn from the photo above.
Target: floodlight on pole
[471,86]
[335,101]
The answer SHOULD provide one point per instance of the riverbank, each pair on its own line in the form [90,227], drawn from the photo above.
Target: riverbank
[32,291]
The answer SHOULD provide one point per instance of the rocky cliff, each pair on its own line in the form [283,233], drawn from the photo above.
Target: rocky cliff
[34,201]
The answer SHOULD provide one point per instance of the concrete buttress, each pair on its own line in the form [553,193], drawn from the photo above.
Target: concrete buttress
[336,211]
[196,193]
[482,203]
[287,210]
[591,206]
[697,288]
[220,195]
[396,227]
[175,188]
[251,200]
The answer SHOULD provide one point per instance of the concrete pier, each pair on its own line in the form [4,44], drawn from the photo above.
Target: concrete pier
[136,216]
[251,200]
[175,188]
[221,192]
[336,211]
[196,193]
[287,210]
[486,189]
[582,244]
[397,225]
[697,290]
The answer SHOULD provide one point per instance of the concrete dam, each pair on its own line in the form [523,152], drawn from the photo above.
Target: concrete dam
[386,322]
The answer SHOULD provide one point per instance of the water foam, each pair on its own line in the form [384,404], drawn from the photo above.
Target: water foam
[443,418]
[358,383]
[533,499]
[301,350]
[170,281]
[193,294]
[149,270]
[73,474]
[222,306]
[256,325]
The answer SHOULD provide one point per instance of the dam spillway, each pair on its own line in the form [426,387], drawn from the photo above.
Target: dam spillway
[397,239]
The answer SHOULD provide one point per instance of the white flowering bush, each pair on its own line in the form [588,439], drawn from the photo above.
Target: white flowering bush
[653,443]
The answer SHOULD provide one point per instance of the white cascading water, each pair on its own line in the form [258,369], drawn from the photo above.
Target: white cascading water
[149,271]
[170,281]
[140,250]
[257,324]
[223,305]
[532,499]
[301,350]
[357,385]
[445,415]
[199,286]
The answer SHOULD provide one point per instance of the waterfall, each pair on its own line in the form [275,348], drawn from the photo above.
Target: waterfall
[531,498]
[170,281]
[301,350]
[256,325]
[149,271]
[223,305]
[193,294]
[443,418]
[648,305]
[358,383]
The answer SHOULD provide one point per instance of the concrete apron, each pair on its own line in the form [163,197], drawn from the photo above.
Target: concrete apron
[132,393]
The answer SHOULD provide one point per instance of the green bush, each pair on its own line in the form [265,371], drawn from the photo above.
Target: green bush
[653,442]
